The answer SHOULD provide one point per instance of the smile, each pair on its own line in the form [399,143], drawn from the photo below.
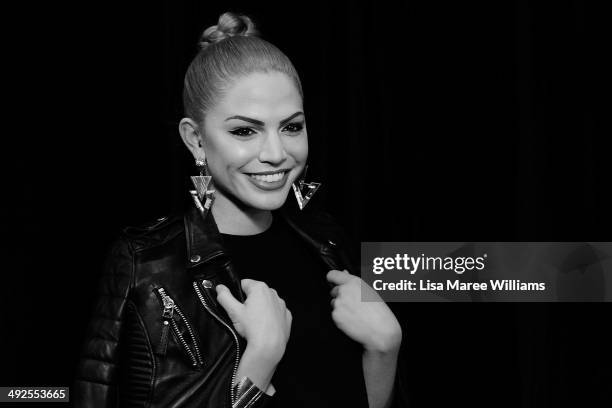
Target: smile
[269,181]
[268,178]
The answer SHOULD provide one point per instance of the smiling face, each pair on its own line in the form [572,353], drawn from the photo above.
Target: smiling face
[255,141]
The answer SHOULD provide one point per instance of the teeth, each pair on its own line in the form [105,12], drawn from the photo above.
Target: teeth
[268,178]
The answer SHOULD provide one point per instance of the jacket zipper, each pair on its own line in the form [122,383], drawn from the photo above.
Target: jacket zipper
[208,307]
[168,315]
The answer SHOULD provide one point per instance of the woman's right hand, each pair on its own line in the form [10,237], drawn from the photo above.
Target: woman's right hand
[263,319]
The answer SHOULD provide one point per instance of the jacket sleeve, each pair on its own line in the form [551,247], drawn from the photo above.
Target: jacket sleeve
[96,377]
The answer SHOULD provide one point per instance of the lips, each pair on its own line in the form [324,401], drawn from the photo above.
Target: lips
[269,180]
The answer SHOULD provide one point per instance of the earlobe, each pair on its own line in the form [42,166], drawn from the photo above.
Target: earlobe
[191,136]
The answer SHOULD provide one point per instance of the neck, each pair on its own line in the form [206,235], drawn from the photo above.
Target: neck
[234,220]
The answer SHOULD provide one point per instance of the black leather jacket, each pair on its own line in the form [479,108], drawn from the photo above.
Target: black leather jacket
[158,338]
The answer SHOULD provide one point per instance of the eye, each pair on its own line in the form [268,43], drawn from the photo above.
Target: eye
[295,127]
[243,132]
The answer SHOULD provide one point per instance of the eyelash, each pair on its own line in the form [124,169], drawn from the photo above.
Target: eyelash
[298,127]
[240,131]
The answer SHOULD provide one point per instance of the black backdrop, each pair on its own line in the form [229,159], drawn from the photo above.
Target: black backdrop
[427,121]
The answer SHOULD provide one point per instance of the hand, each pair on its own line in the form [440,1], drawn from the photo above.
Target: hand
[372,324]
[263,319]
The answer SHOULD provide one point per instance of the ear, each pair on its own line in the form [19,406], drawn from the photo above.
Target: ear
[192,137]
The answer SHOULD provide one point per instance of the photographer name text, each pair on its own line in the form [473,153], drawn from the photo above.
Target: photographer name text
[458,285]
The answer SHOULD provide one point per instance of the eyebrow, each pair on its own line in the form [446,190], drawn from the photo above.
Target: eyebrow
[260,123]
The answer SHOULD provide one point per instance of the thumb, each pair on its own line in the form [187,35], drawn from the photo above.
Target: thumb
[338,277]
[227,300]
[247,285]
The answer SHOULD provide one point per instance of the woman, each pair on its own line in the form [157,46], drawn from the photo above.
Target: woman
[228,304]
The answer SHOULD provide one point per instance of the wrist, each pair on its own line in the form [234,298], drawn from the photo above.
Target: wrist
[257,367]
[388,343]
[267,353]
[383,357]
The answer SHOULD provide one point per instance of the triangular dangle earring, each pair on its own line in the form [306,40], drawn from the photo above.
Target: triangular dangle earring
[204,193]
[304,190]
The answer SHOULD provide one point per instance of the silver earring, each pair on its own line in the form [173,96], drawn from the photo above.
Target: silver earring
[204,193]
[304,190]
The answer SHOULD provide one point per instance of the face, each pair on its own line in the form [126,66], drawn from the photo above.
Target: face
[255,141]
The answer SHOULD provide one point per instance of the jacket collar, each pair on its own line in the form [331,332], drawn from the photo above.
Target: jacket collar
[204,241]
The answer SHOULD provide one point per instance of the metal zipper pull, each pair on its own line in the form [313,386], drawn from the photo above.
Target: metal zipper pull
[162,346]
[167,314]
[168,305]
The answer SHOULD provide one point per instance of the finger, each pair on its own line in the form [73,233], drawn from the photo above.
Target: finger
[227,300]
[335,291]
[247,285]
[338,277]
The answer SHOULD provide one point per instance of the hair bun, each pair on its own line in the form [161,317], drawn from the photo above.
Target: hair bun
[229,25]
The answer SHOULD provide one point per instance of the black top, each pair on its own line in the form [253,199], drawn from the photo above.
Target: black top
[321,366]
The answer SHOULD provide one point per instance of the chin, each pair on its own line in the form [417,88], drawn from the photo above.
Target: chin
[268,203]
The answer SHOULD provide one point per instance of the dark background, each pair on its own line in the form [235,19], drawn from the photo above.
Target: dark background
[428,121]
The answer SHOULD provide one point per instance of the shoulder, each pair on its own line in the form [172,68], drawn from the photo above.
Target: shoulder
[132,248]
[152,233]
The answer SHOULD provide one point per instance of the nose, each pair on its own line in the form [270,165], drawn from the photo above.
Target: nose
[272,150]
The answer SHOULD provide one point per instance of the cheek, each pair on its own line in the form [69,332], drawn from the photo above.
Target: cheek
[299,148]
[227,155]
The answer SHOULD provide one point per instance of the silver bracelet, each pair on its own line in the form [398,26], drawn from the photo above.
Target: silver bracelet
[245,393]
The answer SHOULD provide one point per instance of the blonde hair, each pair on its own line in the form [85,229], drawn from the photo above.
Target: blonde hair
[229,50]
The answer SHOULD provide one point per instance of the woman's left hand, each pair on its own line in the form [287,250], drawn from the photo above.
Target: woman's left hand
[372,323]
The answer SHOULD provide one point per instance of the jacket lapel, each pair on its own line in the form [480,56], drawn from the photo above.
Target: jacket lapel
[322,237]
[206,256]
